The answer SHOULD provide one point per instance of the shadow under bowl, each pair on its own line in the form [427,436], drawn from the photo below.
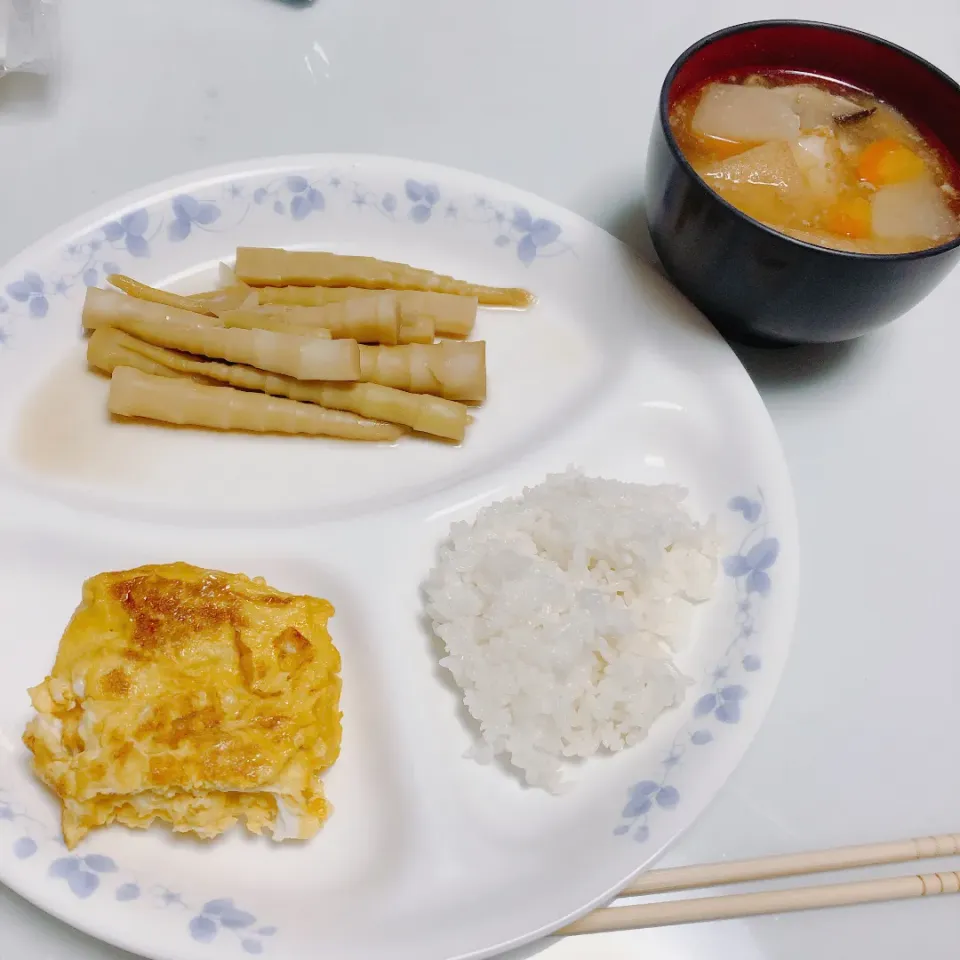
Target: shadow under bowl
[760,286]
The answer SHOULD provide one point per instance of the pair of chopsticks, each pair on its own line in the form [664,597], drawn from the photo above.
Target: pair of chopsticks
[734,905]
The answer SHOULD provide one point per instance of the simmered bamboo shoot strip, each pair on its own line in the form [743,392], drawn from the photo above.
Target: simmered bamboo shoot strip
[141,291]
[185,402]
[305,358]
[288,320]
[455,371]
[316,296]
[416,330]
[109,307]
[228,298]
[109,348]
[452,315]
[423,414]
[250,320]
[231,296]
[370,320]
[105,308]
[266,267]
[412,330]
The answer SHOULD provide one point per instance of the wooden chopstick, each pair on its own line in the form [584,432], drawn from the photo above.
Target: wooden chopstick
[793,865]
[753,904]
[778,901]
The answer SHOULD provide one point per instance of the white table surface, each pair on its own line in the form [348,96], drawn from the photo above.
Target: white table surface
[557,96]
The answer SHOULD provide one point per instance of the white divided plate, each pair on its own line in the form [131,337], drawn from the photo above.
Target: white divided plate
[428,855]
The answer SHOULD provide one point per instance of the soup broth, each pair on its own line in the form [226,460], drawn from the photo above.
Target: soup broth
[819,161]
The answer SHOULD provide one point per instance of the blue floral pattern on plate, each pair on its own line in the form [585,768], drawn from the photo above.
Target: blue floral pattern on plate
[95,874]
[129,230]
[222,916]
[424,197]
[32,291]
[115,246]
[188,212]
[726,686]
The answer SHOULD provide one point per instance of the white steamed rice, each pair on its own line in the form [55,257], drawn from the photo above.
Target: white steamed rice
[560,611]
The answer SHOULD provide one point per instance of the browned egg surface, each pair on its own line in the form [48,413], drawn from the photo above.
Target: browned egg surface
[192,696]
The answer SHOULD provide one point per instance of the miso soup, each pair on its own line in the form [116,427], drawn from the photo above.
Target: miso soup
[820,161]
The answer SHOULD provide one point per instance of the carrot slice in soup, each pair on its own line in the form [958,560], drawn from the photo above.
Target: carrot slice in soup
[850,217]
[889,161]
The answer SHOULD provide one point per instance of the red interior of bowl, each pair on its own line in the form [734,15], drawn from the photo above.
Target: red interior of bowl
[927,97]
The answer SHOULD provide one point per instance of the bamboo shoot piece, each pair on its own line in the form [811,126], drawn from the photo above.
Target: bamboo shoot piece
[290,320]
[141,291]
[231,296]
[267,267]
[185,402]
[452,315]
[251,320]
[455,371]
[108,307]
[370,320]
[105,308]
[305,358]
[109,348]
[416,330]
[435,416]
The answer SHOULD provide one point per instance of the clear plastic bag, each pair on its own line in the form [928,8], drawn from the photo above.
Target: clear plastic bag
[28,35]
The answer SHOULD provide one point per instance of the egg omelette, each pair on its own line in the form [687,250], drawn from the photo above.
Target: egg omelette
[191,696]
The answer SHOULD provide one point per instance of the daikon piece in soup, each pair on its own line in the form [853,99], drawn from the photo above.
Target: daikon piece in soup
[820,161]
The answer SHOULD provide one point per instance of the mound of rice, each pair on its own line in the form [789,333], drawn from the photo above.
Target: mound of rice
[560,611]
